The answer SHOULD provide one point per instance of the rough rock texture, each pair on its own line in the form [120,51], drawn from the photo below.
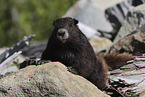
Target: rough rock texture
[100,43]
[130,79]
[51,80]
[105,16]
[134,19]
[133,43]
[116,15]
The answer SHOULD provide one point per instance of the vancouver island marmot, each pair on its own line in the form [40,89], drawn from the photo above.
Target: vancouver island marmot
[69,45]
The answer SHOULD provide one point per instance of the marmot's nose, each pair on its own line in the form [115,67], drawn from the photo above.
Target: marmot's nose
[61,33]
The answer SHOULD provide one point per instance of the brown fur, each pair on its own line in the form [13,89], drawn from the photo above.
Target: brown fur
[116,60]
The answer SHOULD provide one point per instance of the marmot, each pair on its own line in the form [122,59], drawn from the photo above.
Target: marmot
[68,45]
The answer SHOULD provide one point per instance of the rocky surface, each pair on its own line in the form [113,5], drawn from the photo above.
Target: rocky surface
[117,14]
[131,37]
[88,31]
[12,65]
[135,19]
[100,43]
[51,80]
[9,66]
[105,16]
[130,79]
[91,15]
[133,43]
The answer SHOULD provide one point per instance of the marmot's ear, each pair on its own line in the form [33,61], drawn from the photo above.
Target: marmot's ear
[75,21]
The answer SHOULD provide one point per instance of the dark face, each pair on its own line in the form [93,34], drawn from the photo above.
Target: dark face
[65,29]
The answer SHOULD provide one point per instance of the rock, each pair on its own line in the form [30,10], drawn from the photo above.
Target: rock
[100,43]
[135,19]
[130,79]
[9,69]
[2,50]
[88,31]
[8,57]
[15,48]
[133,43]
[105,16]
[142,94]
[103,4]
[34,50]
[50,79]
[87,12]
[11,63]
[117,13]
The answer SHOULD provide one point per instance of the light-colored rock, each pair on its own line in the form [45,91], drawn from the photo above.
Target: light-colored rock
[142,94]
[100,43]
[133,76]
[49,80]
[2,50]
[8,66]
[134,20]
[87,12]
[104,4]
[133,43]
[88,31]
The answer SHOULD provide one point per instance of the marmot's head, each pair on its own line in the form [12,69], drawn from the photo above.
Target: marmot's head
[66,29]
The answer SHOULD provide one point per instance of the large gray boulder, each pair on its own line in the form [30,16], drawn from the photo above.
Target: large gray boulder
[92,14]
[104,16]
[51,80]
